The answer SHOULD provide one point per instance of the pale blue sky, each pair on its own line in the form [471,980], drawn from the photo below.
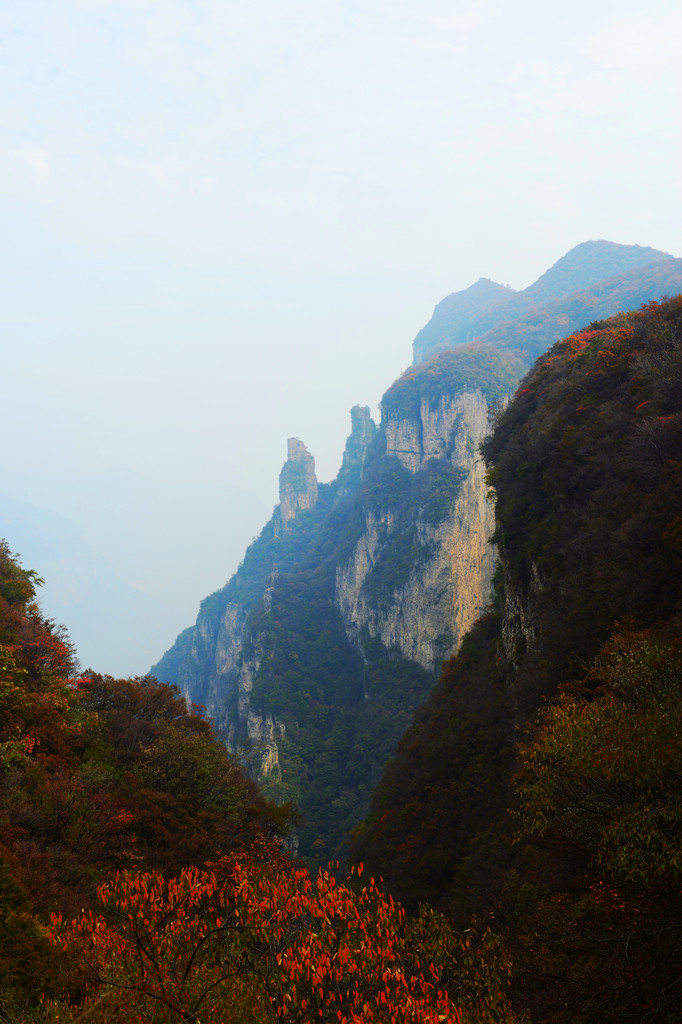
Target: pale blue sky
[223,224]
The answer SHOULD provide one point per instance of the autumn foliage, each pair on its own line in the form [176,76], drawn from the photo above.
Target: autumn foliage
[208,944]
[116,907]
[600,797]
[96,775]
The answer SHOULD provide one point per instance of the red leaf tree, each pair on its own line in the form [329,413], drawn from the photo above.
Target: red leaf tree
[257,940]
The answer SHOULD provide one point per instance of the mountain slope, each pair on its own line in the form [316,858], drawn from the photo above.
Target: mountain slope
[97,775]
[586,625]
[456,318]
[592,281]
[541,326]
[588,263]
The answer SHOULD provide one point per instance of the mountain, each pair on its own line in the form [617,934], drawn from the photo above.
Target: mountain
[564,704]
[588,263]
[468,646]
[592,281]
[314,656]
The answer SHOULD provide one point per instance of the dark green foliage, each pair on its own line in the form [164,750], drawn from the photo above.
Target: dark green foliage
[436,488]
[603,767]
[391,571]
[295,474]
[597,907]
[17,585]
[389,488]
[185,794]
[272,552]
[335,710]
[341,713]
[386,483]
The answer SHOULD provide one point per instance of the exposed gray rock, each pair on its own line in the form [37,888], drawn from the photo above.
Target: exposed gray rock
[363,432]
[297,482]
[429,612]
[452,430]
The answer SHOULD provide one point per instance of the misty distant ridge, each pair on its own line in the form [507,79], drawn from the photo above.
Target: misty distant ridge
[588,263]
[594,280]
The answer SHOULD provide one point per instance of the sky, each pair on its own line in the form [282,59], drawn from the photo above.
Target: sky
[224,223]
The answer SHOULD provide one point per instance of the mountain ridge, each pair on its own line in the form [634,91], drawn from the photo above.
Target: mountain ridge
[576,280]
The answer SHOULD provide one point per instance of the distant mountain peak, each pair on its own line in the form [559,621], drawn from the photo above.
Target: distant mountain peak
[587,263]
[530,319]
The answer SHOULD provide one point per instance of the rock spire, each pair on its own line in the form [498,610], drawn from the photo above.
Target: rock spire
[297,482]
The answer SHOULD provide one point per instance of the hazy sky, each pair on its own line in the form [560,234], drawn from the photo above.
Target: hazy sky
[224,223]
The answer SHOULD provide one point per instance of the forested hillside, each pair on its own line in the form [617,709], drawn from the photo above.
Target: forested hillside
[540,783]
[144,878]
[97,775]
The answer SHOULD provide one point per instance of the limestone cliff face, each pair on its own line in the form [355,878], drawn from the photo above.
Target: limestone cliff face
[451,429]
[362,435]
[414,581]
[259,729]
[208,661]
[448,584]
[297,482]
[214,658]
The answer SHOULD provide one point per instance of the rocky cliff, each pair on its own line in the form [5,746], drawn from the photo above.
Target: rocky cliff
[420,609]
[313,656]
[428,611]
[207,661]
[297,482]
